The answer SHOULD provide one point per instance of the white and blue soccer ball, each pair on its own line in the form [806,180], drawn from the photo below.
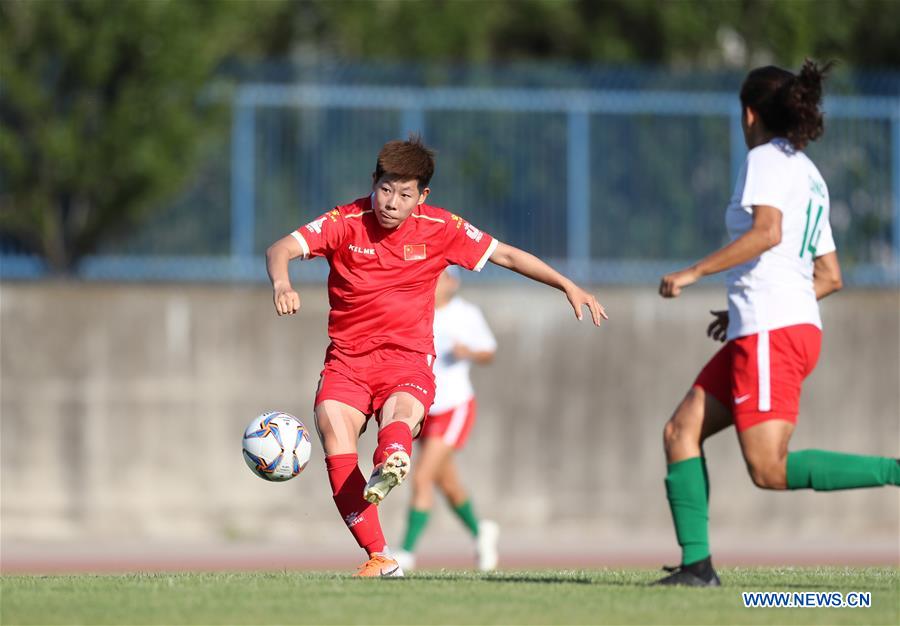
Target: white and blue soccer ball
[276,446]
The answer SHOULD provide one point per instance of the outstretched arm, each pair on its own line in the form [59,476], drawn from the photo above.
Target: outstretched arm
[279,254]
[532,267]
[764,235]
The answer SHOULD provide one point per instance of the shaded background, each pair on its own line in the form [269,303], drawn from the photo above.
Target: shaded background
[150,151]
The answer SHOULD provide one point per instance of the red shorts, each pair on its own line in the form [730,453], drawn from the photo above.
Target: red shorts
[758,377]
[365,381]
[452,426]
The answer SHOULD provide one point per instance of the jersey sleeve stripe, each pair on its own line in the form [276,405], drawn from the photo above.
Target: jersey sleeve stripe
[487,255]
[428,217]
[360,214]
[303,245]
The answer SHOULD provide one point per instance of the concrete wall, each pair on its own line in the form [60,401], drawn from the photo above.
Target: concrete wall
[123,407]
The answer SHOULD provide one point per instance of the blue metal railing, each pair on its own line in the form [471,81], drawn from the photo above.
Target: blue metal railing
[613,185]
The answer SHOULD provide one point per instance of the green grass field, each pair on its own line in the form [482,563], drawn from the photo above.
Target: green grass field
[532,597]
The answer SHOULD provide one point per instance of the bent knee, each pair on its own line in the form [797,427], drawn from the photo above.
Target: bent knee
[327,424]
[768,475]
[671,433]
[686,423]
[338,434]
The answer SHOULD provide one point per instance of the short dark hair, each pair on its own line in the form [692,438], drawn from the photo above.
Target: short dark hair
[406,160]
[788,104]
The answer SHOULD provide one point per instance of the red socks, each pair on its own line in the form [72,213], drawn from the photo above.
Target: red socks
[361,517]
[393,437]
[347,484]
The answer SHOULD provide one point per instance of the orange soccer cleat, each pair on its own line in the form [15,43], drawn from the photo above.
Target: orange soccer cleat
[380,566]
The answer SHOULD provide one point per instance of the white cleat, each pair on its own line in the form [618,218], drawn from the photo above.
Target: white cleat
[406,560]
[386,476]
[486,546]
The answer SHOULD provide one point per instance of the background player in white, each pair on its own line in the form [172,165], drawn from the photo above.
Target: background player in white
[461,337]
[780,261]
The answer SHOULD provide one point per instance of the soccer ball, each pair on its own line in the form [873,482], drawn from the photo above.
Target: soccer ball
[276,446]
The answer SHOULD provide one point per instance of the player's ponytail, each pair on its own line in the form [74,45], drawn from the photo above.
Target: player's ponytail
[803,97]
[788,104]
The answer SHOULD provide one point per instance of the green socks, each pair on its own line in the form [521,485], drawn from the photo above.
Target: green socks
[414,528]
[828,471]
[467,515]
[687,488]
[418,519]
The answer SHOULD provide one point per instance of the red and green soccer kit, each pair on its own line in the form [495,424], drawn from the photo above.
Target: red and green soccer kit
[774,339]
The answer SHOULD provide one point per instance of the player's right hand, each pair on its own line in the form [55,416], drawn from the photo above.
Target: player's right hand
[578,298]
[718,328]
[672,284]
[287,301]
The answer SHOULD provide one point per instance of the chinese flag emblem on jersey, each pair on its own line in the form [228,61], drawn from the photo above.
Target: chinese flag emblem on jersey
[414,252]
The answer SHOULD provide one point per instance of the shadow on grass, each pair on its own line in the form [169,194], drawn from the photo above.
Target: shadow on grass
[543,579]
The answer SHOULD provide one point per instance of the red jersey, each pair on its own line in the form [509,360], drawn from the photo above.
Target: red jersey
[381,284]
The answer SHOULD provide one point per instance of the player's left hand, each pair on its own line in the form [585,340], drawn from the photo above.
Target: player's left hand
[578,298]
[718,328]
[671,284]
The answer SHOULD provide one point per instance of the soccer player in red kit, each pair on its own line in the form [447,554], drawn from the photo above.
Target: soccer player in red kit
[385,253]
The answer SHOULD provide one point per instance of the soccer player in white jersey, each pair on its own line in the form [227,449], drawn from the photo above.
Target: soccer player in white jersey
[780,261]
[461,337]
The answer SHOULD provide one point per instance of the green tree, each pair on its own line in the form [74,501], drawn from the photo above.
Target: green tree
[102,113]
[666,32]
[102,110]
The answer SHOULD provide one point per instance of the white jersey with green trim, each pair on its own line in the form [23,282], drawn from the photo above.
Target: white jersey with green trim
[775,289]
[459,322]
